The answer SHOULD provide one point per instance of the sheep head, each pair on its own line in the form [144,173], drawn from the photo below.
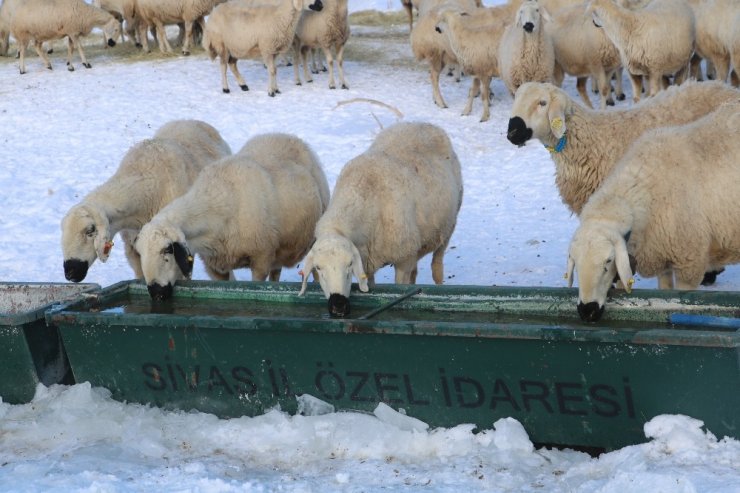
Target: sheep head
[112,31]
[597,9]
[85,237]
[598,253]
[165,258]
[540,111]
[529,16]
[335,259]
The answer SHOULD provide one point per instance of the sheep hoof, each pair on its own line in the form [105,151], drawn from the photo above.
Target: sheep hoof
[49,67]
[271,94]
[23,72]
[87,65]
[70,67]
[609,102]
[186,53]
[138,45]
[621,97]
[226,90]
[244,87]
[345,86]
[332,86]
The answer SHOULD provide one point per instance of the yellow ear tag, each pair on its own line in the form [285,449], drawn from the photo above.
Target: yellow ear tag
[364,276]
[190,259]
[556,124]
[631,282]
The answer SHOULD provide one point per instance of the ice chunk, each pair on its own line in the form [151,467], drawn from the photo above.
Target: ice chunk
[387,415]
[309,405]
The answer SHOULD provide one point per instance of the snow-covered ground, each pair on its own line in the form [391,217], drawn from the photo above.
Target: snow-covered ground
[63,133]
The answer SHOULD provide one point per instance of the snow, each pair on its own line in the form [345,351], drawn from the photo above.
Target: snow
[64,133]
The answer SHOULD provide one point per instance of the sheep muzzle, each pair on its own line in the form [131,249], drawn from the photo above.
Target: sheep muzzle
[75,270]
[518,132]
[338,306]
[111,42]
[529,27]
[317,6]
[590,312]
[159,292]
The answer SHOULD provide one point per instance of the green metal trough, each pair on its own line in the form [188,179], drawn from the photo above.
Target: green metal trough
[30,351]
[446,355]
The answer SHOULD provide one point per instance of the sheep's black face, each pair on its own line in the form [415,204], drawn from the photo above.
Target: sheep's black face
[338,306]
[518,132]
[529,27]
[75,270]
[316,6]
[159,292]
[590,312]
[111,43]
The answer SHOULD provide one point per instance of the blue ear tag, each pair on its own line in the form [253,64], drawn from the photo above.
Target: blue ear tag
[559,146]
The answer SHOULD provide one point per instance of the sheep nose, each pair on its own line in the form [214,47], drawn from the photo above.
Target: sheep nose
[590,312]
[159,292]
[529,27]
[111,43]
[316,6]
[338,306]
[518,132]
[75,270]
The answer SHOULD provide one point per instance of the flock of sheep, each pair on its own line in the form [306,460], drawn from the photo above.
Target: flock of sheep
[652,184]
[235,30]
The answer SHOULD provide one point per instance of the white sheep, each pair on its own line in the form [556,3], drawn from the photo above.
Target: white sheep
[428,45]
[715,21]
[392,204]
[158,13]
[235,31]
[526,51]
[327,29]
[583,51]
[124,11]
[7,9]
[654,41]
[668,204]
[44,20]
[585,144]
[256,209]
[476,49]
[151,174]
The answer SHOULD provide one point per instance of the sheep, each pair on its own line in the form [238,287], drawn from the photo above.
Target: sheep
[526,51]
[123,11]
[327,29]
[235,31]
[667,203]
[715,20]
[157,13]
[7,9]
[256,209]
[655,41]
[582,50]
[44,20]
[476,48]
[427,44]
[392,204]
[586,143]
[151,174]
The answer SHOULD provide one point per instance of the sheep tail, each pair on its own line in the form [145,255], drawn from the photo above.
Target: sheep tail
[208,46]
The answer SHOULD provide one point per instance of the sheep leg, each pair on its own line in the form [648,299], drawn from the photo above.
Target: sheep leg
[275,274]
[143,29]
[76,41]
[224,59]
[695,67]
[605,89]
[330,64]
[404,270]
[721,67]
[39,47]
[70,47]
[655,82]
[474,89]
[239,79]
[583,91]
[435,68]
[438,264]
[164,45]
[340,67]
[618,89]
[296,62]
[636,81]
[304,61]
[485,95]
[558,75]
[188,37]
[665,280]
[22,55]
[272,87]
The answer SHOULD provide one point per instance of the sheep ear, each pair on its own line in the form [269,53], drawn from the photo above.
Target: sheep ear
[357,269]
[102,242]
[307,268]
[556,115]
[624,268]
[184,258]
[569,271]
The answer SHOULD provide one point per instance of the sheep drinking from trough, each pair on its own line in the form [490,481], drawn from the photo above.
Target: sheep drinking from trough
[236,30]
[255,209]
[151,174]
[46,20]
[392,204]
[671,203]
